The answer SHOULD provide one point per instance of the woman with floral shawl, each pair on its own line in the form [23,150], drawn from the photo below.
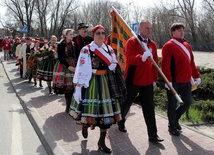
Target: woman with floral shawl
[92,104]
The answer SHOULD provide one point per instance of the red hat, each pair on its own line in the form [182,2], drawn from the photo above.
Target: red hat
[96,28]
[37,41]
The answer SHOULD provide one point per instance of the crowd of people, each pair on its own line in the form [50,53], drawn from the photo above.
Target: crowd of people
[97,92]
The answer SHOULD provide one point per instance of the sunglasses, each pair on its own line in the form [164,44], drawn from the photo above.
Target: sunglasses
[99,33]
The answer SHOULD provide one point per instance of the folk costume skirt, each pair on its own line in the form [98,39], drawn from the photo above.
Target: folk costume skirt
[63,77]
[45,70]
[97,107]
[31,68]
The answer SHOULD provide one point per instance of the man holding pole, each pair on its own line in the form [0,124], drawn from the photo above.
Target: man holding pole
[179,68]
[141,76]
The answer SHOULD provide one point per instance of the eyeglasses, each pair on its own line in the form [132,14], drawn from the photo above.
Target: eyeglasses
[99,33]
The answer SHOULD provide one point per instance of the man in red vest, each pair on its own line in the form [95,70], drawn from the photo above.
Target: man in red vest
[140,77]
[179,68]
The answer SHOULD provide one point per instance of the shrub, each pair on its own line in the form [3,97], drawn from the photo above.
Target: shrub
[206,108]
[205,91]
[202,108]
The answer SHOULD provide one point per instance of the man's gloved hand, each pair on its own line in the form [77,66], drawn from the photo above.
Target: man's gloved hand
[146,54]
[198,81]
[77,94]
[167,87]
[112,66]
[154,85]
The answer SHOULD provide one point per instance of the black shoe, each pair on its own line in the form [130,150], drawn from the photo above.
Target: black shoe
[155,139]
[121,126]
[174,132]
[122,129]
[84,131]
[104,148]
[179,127]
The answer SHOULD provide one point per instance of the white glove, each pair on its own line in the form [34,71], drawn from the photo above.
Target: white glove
[77,94]
[154,84]
[198,81]
[192,81]
[112,66]
[146,54]
[167,87]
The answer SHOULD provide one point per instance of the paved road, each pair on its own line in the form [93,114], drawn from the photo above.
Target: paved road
[17,134]
[64,136]
[203,59]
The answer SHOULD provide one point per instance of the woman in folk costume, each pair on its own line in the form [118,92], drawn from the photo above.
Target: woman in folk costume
[23,55]
[48,52]
[32,63]
[92,103]
[64,68]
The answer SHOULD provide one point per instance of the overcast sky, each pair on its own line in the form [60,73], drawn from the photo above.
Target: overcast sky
[145,3]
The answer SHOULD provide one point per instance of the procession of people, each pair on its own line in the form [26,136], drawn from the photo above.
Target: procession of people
[97,92]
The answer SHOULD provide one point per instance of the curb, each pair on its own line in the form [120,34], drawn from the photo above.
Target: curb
[34,120]
[186,126]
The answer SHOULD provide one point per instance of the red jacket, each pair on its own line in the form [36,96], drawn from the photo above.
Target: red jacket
[6,45]
[176,65]
[137,72]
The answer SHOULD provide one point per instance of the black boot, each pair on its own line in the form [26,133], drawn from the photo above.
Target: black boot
[101,142]
[50,90]
[35,83]
[29,78]
[40,83]
[68,103]
[84,130]
[21,73]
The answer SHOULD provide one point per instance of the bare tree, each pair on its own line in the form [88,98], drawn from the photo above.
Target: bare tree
[59,16]
[22,10]
[187,8]
[99,13]
[206,27]
[162,17]
[41,9]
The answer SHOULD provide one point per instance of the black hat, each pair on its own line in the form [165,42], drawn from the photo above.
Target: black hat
[27,38]
[82,25]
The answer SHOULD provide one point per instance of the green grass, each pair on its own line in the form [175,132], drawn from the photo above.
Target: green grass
[192,115]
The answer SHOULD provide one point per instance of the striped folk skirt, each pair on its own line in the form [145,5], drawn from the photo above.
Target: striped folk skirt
[63,77]
[45,70]
[97,107]
[32,66]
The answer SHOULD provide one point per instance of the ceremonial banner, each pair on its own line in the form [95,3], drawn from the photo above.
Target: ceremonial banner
[120,34]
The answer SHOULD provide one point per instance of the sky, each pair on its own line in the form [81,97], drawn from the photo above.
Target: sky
[141,2]
[145,3]
[128,2]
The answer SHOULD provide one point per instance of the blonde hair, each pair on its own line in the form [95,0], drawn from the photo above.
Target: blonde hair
[53,36]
